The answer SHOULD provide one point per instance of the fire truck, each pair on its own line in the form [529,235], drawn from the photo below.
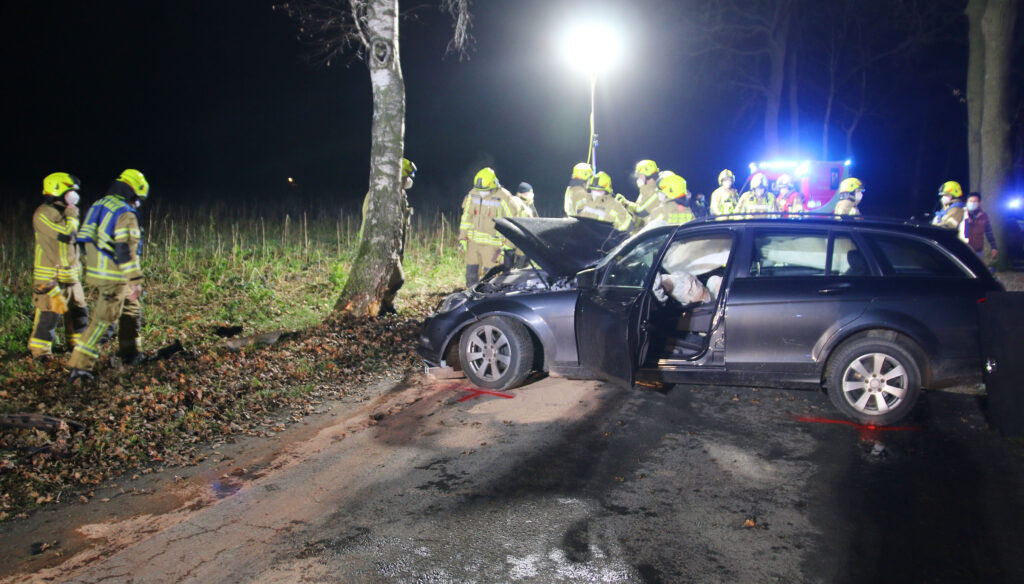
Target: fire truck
[817,180]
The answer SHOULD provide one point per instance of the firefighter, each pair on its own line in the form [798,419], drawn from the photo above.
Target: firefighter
[725,198]
[670,208]
[576,192]
[758,199]
[524,194]
[113,243]
[601,205]
[788,199]
[646,174]
[953,207]
[55,272]
[851,191]
[483,245]
[396,278]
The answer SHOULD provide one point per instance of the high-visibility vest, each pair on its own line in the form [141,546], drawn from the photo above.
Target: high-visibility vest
[104,228]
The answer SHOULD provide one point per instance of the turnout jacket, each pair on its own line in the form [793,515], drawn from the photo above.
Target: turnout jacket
[724,201]
[56,256]
[113,241]
[479,210]
[605,208]
[574,195]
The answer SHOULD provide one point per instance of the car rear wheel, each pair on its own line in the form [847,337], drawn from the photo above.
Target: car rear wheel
[874,380]
[496,353]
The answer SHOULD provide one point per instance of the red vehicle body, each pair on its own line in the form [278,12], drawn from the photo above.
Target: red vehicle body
[817,180]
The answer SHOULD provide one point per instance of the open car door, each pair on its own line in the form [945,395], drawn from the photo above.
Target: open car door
[613,310]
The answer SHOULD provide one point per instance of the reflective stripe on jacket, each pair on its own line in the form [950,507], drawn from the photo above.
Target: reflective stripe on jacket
[112,227]
[605,208]
[56,257]
[479,210]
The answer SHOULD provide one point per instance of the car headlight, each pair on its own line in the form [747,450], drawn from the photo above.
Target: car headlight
[451,302]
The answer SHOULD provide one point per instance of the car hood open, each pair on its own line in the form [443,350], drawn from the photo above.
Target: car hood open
[561,246]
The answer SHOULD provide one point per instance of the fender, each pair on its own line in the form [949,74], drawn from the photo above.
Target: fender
[912,328]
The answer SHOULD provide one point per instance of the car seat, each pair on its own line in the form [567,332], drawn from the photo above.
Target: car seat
[858,266]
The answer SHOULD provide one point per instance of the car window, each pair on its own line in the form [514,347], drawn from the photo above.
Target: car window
[847,259]
[631,267]
[789,254]
[904,256]
[704,257]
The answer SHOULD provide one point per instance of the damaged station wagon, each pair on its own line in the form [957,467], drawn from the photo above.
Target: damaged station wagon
[869,310]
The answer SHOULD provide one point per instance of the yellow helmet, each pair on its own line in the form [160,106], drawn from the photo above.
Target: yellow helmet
[724,175]
[951,188]
[850,185]
[408,168]
[582,171]
[646,168]
[673,185]
[58,183]
[136,181]
[600,182]
[758,180]
[784,180]
[486,180]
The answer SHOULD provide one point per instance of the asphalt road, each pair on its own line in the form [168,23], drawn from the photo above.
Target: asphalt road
[572,481]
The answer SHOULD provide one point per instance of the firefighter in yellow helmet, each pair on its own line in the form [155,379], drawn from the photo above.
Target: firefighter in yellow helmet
[670,208]
[601,205]
[646,175]
[787,198]
[953,207]
[725,198]
[479,238]
[851,191]
[396,276]
[112,239]
[758,199]
[55,271]
[576,192]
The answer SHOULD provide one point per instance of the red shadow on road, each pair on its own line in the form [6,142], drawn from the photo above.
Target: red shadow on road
[864,432]
[476,392]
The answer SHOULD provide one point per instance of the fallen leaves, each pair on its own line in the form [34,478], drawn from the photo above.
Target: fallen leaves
[162,412]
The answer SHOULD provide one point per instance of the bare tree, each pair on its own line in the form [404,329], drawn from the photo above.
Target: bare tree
[753,38]
[368,30]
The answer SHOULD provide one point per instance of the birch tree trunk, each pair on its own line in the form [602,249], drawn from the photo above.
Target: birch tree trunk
[975,84]
[382,225]
[997,27]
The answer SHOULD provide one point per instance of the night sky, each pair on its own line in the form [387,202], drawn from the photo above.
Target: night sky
[214,101]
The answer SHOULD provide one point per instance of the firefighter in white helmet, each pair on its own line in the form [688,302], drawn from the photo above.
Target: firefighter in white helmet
[758,199]
[725,198]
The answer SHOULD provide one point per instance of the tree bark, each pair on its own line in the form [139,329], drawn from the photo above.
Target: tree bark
[997,27]
[975,83]
[382,225]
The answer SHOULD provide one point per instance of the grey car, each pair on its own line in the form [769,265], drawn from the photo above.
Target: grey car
[869,310]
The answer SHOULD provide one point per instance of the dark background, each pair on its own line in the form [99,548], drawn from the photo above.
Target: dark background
[215,102]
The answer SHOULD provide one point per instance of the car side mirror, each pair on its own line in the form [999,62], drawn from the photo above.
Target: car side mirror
[586,278]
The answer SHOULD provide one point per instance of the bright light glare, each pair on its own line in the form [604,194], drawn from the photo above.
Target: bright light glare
[1015,203]
[804,168]
[848,162]
[592,47]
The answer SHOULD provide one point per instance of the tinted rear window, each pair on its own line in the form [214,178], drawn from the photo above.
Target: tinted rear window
[903,256]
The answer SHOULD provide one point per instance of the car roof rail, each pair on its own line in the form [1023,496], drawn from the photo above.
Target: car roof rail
[813,217]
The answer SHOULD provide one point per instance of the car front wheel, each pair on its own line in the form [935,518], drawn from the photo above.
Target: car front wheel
[874,380]
[496,353]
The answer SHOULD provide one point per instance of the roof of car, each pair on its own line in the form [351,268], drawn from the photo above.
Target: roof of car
[820,220]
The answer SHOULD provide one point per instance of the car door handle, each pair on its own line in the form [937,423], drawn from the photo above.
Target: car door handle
[836,289]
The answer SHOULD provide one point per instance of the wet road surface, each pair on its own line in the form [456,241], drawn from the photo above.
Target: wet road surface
[574,481]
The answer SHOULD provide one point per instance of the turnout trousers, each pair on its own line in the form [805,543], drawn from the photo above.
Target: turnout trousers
[112,306]
[44,325]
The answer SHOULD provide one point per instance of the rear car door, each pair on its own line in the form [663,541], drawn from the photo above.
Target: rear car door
[611,315]
[800,287]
